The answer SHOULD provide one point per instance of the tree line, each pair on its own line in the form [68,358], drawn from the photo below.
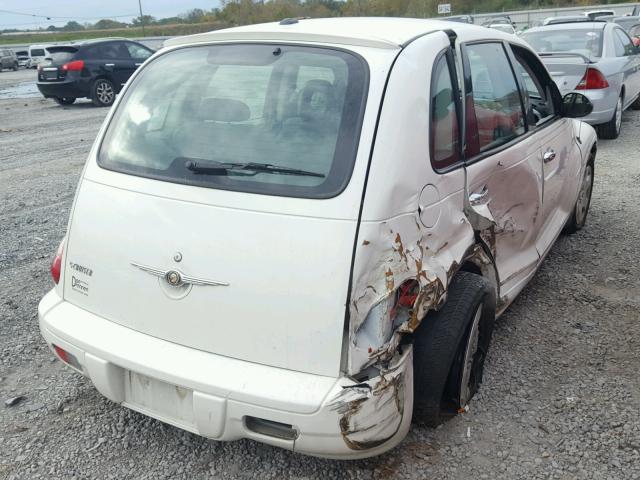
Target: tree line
[243,12]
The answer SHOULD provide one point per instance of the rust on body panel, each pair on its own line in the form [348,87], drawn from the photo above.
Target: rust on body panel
[371,412]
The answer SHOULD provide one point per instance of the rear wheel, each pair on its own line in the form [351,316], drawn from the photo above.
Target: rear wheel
[102,93]
[64,100]
[450,348]
[15,67]
[579,215]
[611,129]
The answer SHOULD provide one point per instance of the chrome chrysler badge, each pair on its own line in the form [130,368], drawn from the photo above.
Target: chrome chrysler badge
[178,279]
[173,278]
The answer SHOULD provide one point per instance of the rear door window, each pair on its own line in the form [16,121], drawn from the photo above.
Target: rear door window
[280,120]
[444,118]
[494,107]
[624,45]
[110,51]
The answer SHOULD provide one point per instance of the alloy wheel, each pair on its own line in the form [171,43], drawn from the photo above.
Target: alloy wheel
[618,114]
[585,195]
[104,92]
[471,349]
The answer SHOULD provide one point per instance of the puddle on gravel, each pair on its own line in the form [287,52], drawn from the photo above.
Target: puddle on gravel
[22,90]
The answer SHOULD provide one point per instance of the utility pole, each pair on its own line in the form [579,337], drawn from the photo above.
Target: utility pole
[141,16]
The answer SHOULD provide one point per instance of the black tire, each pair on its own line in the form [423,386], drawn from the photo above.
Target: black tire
[611,129]
[64,100]
[636,105]
[440,345]
[15,67]
[578,217]
[103,93]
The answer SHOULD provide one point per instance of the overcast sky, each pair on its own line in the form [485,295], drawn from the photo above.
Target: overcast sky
[89,10]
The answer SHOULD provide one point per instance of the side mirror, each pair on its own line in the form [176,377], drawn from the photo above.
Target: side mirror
[576,105]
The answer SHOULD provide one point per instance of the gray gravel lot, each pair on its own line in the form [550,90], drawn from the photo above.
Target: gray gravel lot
[561,397]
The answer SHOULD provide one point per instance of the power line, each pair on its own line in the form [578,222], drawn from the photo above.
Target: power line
[48,17]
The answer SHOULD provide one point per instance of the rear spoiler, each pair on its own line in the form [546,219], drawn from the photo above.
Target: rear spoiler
[565,54]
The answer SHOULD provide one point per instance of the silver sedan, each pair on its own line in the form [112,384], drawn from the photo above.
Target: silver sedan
[597,59]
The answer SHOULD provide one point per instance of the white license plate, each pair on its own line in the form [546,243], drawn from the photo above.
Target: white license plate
[166,402]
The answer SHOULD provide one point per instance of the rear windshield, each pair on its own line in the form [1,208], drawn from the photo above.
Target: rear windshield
[37,52]
[272,119]
[61,54]
[587,41]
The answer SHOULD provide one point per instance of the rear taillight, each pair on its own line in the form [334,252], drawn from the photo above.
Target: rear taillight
[593,79]
[56,264]
[74,66]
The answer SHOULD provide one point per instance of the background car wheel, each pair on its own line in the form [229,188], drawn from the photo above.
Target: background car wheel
[15,67]
[103,93]
[64,100]
[611,129]
[450,348]
[579,215]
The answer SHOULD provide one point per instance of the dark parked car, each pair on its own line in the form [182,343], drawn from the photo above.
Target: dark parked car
[94,69]
[8,59]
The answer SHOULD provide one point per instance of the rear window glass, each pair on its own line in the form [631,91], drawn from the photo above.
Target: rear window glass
[272,119]
[61,54]
[587,41]
[37,52]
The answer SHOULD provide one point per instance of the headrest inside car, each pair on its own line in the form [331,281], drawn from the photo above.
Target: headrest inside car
[223,110]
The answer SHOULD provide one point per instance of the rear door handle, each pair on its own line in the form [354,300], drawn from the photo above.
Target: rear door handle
[138,64]
[109,64]
[549,156]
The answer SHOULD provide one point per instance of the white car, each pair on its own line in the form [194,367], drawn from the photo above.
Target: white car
[37,55]
[503,27]
[298,233]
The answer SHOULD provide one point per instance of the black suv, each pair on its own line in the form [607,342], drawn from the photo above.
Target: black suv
[95,69]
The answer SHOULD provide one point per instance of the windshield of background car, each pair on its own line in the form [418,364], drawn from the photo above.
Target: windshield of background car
[585,41]
[198,115]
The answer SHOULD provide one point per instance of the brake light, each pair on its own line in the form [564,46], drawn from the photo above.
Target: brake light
[74,66]
[56,264]
[593,79]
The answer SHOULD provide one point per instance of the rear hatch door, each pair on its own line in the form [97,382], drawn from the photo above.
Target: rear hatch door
[261,259]
[52,68]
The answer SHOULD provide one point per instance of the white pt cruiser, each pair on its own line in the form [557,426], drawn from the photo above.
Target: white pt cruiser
[301,233]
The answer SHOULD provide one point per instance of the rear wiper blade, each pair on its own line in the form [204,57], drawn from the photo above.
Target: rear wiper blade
[209,168]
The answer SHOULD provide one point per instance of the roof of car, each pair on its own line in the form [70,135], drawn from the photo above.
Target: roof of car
[570,26]
[376,32]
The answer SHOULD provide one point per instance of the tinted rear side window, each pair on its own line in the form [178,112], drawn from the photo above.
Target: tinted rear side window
[444,118]
[38,52]
[225,106]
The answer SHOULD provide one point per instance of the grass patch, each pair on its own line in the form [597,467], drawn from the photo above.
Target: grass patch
[132,32]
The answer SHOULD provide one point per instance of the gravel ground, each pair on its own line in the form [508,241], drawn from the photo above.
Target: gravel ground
[561,395]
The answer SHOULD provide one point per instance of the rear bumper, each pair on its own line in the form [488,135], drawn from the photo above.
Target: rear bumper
[213,396]
[604,105]
[73,88]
